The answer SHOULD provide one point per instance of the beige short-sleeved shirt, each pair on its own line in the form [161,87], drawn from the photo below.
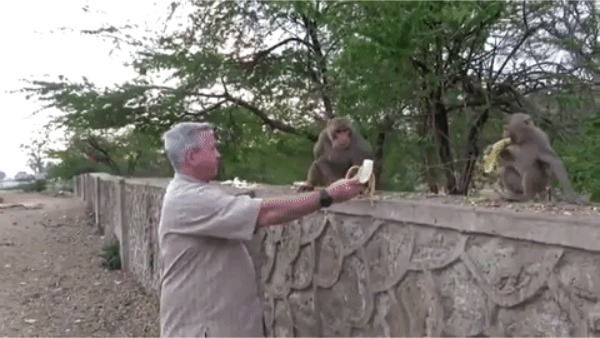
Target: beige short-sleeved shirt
[208,285]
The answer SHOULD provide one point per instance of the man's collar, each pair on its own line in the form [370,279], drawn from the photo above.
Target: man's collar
[187,178]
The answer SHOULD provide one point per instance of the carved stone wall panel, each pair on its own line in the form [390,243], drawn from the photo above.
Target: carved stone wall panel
[350,299]
[390,319]
[269,314]
[542,318]
[388,251]
[562,297]
[135,200]
[580,275]
[102,205]
[265,255]
[107,205]
[154,211]
[283,318]
[466,311]
[145,203]
[510,272]
[278,284]
[312,226]
[353,231]
[290,242]
[436,248]
[303,309]
[413,296]
[304,267]
[329,251]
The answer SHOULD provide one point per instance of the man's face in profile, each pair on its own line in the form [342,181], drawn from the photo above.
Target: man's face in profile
[204,161]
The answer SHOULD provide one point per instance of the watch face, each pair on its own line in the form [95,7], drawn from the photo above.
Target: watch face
[326,199]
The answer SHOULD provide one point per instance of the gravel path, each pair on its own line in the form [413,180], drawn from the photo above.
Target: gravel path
[52,282]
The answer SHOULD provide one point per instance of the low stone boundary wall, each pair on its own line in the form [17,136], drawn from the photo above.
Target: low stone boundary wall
[394,267]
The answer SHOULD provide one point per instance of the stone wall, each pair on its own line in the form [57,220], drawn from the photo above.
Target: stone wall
[394,267]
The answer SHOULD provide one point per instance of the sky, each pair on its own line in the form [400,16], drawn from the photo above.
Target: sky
[31,50]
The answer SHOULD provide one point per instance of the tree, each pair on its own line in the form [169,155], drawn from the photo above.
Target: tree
[120,153]
[36,151]
[428,83]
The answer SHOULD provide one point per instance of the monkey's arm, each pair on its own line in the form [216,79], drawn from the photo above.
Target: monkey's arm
[362,151]
[560,172]
[321,154]
[324,167]
[321,146]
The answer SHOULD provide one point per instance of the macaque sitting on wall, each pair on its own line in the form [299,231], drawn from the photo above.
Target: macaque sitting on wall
[511,182]
[339,147]
[528,164]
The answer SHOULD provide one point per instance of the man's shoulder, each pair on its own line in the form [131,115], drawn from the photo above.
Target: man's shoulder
[182,187]
[205,195]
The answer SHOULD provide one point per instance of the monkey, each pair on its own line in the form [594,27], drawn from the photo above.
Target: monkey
[510,181]
[339,147]
[531,156]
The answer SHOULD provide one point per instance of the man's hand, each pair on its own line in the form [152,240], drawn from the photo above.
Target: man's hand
[345,189]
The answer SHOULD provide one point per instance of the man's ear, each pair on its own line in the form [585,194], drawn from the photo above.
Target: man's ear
[188,156]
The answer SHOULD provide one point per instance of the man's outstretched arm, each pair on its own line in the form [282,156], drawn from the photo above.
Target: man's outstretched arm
[283,209]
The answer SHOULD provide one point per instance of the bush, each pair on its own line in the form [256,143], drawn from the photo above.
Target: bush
[37,186]
[111,256]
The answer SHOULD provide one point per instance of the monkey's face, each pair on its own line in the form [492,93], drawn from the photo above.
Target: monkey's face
[341,138]
[510,132]
[518,128]
[340,133]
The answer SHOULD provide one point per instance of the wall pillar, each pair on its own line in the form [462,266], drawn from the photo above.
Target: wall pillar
[122,228]
[75,185]
[97,203]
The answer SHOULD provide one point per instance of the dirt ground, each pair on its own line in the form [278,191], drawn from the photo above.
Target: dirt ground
[52,282]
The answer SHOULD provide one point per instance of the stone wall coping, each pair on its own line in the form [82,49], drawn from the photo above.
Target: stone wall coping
[582,232]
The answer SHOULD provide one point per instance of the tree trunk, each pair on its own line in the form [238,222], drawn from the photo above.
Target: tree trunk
[378,169]
[471,152]
[429,158]
[441,130]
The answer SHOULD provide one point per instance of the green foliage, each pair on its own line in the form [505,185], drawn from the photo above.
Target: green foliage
[71,163]
[111,256]
[128,153]
[36,186]
[427,82]
[581,158]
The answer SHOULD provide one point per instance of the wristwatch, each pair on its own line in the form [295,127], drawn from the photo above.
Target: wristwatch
[325,198]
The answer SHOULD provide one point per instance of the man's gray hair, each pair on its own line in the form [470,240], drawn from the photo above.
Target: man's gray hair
[182,137]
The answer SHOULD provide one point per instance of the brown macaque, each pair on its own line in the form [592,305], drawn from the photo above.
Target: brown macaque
[339,147]
[531,158]
[511,182]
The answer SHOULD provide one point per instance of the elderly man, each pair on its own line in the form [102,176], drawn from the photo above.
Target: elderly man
[208,285]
